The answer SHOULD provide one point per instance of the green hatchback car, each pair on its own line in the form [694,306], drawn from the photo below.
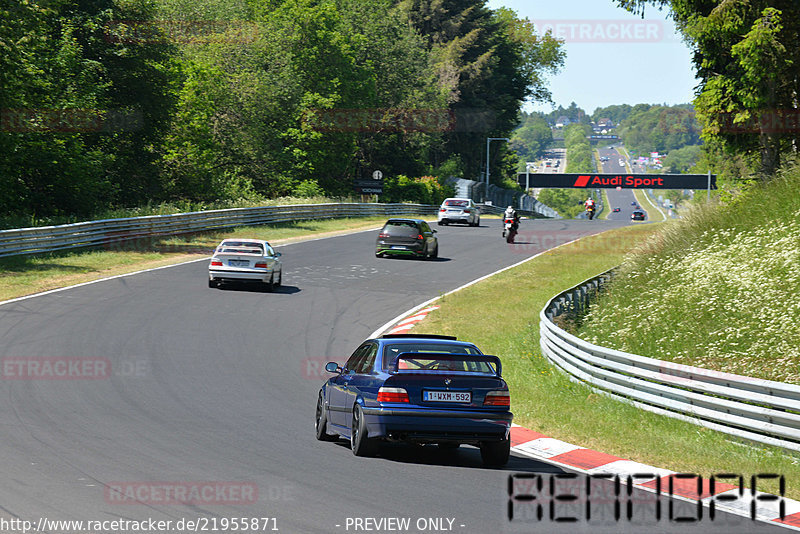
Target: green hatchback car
[407,237]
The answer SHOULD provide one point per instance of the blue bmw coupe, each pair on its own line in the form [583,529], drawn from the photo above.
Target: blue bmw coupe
[417,389]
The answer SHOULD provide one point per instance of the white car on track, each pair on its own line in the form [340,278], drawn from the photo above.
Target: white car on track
[461,210]
[245,260]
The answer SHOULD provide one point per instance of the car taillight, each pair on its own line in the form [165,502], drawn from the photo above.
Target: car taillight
[497,398]
[466,211]
[216,263]
[383,235]
[261,264]
[392,395]
[442,210]
[420,238]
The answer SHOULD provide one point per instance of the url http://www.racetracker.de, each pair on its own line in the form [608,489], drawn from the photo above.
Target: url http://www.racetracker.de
[200,524]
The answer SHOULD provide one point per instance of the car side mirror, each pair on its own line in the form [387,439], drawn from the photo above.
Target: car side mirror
[278,254]
[333,367]
[434,231]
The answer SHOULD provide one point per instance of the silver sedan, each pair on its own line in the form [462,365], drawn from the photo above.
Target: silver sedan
[245,260]
[461,210]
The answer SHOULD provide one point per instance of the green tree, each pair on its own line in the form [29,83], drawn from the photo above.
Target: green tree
[567,202]
[747,54]
[660,128]
[82,108]
[532,138]
[579,151]
[486,63]
[616,113]
[681,160]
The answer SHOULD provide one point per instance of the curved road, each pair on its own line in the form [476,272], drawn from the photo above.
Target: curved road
[217,388]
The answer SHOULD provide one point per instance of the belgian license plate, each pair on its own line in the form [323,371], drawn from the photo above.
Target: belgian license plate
[238,263]
[447,396]
[398,247]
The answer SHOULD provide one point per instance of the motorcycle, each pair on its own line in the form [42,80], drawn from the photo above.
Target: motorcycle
[509,229]
[590,212]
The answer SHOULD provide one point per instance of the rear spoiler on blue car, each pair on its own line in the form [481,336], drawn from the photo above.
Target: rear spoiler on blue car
[444,356]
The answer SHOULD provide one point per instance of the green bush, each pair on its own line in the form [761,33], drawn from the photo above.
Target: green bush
[422,190]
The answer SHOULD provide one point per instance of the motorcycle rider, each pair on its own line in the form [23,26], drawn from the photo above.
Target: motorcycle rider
[511,213]
[589,207]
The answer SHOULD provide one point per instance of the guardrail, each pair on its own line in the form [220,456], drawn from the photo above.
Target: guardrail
[106,232]
[498,197]
[750,408]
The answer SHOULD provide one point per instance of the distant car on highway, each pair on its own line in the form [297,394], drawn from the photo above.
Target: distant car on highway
[604,158]
[407,237]
[622,163]
[637,215]
[461,210]
[245,260]
[616,210]
[421,389]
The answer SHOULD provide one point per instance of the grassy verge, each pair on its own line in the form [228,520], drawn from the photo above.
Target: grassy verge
[25,275]
[719,287]
[544,400]
[607,209]
[655,213]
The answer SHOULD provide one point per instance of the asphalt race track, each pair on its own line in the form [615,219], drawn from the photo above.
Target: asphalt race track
[190,387]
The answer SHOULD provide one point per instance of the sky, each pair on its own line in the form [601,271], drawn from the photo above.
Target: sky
[612,56]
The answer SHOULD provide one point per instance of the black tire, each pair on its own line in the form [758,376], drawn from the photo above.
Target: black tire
[280,279]
[435,252]
[378,255]
[510,236]
[360,442]
[212,283]
[321,421]
[440,223]
[495,453]
[270,286]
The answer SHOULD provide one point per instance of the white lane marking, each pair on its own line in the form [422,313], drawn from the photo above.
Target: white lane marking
[545,447]
[204,258]
[629,467]
[58,289]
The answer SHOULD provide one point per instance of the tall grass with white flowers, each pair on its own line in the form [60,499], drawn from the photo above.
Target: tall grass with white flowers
[719,290]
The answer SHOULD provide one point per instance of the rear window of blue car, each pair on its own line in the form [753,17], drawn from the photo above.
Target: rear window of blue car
[391,351]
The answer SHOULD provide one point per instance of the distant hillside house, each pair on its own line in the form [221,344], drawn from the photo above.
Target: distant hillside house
[605,123]
[562,121]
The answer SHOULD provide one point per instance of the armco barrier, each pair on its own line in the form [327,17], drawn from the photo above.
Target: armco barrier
[101,233]
[750,408]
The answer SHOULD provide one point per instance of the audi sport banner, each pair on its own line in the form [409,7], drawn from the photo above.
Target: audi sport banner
[625,181]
